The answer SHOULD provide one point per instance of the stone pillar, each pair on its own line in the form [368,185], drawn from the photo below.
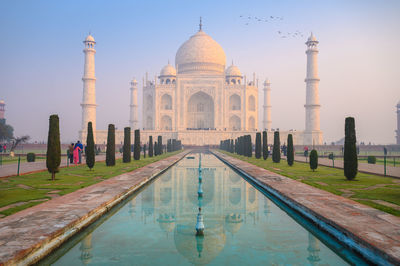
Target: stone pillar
[398,124]
[133,118]
[267,122]
[312,133]
[89,90]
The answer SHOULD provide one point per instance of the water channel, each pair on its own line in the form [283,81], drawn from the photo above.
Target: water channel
[243,226]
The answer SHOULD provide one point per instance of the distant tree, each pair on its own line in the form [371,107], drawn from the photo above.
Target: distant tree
[110,152]
[313,160]
[144,150]
[18,140]
[150,146]
[350,152]
[290,150]
[6,132]
[160,146]
[53,155]
[258,145]
[90,152]
[136,148]
[265,145]
[276,152]
[126,150]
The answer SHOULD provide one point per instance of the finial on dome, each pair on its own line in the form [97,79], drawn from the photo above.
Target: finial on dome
[232,62]
[200,25]
[168,61]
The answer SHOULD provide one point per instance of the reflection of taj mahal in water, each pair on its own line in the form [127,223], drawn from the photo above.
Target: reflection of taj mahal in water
[201,101]
[169,207]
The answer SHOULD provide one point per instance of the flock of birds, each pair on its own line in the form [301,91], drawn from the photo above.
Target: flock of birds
[280,33]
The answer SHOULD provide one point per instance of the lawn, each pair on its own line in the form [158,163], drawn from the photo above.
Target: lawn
[379,192]
[21,192]
[9,159]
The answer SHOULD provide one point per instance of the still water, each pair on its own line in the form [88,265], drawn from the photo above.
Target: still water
[156,226]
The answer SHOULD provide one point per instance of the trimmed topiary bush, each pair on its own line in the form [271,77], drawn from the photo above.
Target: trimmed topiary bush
[30,157]
[90,153]
[150,146]
[290,150]
[53,155]
[265,145]
[126,157]
[313,160]
[160,146]
[350,162]
[136,147]
[371,159]
[258,145]
[110,152]
[276,152]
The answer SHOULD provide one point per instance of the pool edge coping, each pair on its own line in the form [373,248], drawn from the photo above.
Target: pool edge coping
[342,235]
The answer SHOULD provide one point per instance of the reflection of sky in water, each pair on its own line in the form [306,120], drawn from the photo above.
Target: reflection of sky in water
[242,226]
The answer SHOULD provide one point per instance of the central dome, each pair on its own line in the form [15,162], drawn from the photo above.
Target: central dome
[200,54]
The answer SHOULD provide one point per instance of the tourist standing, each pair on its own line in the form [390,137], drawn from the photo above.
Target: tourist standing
[71,153]
[77,152]
[79,144]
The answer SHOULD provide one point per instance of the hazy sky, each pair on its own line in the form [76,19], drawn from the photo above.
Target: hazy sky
[41,58]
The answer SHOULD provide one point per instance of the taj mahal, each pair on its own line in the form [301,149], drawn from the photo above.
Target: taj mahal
[201,100]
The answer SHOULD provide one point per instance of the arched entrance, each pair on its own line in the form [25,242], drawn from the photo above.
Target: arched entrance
[234,123]
[166,123]
[200,111]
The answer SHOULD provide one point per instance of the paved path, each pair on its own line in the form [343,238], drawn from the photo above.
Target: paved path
[32,233]
[362,167]
[12,168]
[370,228]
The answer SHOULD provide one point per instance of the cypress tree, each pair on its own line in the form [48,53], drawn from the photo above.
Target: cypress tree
[53,155]
[249,146]
[265,145]
[136,145]
[258,145]
[110,153]
[160,146]
[276,152]
[90,152]
[313,160]
[155,148]
[350,151]
[232,147]
[290,150]
[126,157]
[144,150]
[150,146]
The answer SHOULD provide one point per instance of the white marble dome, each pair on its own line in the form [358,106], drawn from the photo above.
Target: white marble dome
[168,70]
[89,38]
[200,54]
[233,71]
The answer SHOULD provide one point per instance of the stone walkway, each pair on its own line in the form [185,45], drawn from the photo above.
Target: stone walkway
[30,234]
[370,228]
[25,168]
[362,167]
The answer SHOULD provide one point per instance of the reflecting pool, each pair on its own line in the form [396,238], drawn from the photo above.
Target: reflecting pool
[157,226]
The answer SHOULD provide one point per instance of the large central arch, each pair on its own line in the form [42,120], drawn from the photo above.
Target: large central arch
[200,113]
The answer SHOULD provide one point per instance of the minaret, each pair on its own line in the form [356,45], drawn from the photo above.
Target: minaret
[133,121]
[398,124]
[2,112]
[89,90]
[312,133]
[267,106]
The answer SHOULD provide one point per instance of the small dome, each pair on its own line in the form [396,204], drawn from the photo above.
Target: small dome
[200,54]
[2,102]
[233,71]
[89,38]
[168,70]
[266,82]
[311,38]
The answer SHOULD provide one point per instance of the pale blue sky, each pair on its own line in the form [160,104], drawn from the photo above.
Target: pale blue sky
[41,59]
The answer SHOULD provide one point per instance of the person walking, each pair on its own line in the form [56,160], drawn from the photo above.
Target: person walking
[71,153]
